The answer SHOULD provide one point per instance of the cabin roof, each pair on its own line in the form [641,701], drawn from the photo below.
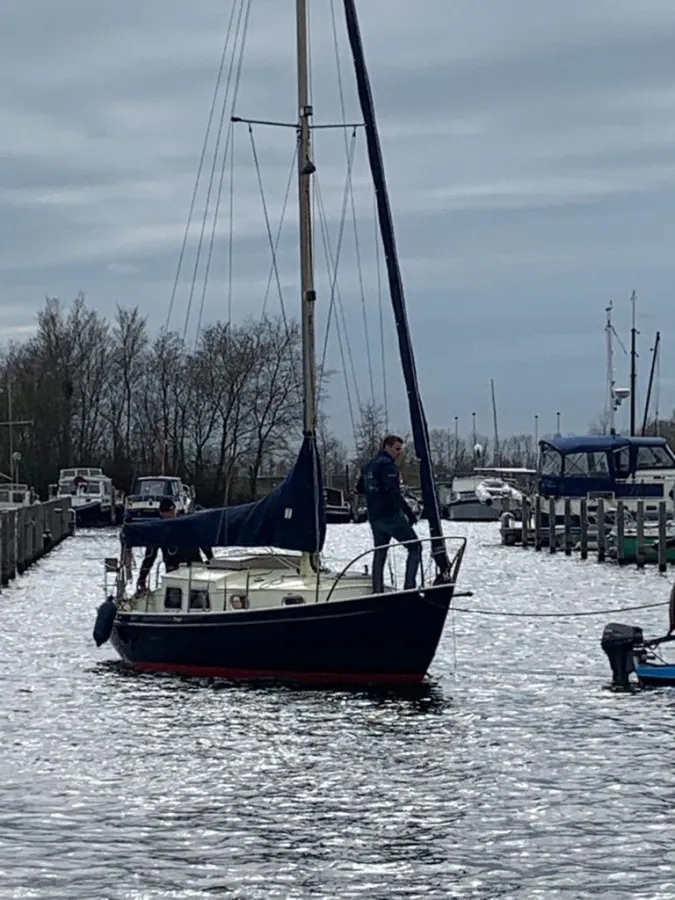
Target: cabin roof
[158,478]
[599,443]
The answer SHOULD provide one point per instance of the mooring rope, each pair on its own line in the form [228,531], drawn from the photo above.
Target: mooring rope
[559,615]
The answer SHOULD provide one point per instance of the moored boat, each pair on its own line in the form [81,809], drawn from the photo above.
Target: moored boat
[280,613]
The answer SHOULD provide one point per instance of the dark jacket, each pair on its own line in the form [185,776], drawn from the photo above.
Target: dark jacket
[173,558]
[380,483]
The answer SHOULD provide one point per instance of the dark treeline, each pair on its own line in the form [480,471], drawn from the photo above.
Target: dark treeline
[224,414]
[220,414]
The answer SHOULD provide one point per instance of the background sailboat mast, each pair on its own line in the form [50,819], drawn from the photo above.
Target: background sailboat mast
[305,170]
[633,368]
[496,456]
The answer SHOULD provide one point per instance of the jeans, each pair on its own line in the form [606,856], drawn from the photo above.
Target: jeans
[384,530]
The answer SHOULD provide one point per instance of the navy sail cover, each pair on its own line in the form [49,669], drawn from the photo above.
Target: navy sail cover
[291,517]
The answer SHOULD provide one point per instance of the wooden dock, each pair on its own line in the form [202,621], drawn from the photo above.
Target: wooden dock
[28,532]
[640,542]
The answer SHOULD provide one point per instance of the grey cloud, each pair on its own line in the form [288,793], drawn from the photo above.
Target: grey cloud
[529,149]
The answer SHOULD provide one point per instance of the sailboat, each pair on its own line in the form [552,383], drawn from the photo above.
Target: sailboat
[282,614]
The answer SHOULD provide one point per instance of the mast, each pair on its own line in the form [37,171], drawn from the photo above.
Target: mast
[10,425]
[648,398]
[417,418]
[610,370]
[495,454]
[305,170]
[633,373]
[456,443]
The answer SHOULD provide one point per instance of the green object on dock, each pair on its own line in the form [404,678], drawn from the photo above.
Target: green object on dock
[650,549]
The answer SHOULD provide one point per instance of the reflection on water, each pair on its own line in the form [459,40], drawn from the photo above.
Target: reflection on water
[512,774]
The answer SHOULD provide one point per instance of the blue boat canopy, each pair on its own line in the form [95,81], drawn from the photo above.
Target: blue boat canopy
[599,443]
[291,517]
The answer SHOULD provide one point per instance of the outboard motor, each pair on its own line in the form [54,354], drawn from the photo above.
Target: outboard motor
[105,616]
[619,642]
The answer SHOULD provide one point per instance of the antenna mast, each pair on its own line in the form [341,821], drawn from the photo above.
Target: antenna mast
[633,367]
[609,409]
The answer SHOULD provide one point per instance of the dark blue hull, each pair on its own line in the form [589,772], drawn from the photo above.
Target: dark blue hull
[92,516]
[377,639]
[135,515]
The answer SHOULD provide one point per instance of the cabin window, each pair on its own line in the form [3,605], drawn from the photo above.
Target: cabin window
[199,599]
[622,462]
[587,465]
[551,462]
[654,458]
[173,598]
[576,464]
[597,463]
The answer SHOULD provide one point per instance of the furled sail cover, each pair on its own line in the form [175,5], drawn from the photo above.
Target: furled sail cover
[291,517]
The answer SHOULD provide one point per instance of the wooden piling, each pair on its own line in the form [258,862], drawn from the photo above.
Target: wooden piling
[662,557]
[537,522]
[567,533]
[551,526]
[583,528]
[602,537]
[620,533]
[640,552]
[525,533]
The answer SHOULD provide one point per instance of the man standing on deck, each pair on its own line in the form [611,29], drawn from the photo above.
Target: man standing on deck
[388,513]
[173,556]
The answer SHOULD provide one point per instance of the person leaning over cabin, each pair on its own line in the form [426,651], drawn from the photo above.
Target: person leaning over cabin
[388,513]
[173,556]
[126,553]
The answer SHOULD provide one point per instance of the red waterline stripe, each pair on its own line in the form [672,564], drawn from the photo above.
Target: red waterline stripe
[249,674]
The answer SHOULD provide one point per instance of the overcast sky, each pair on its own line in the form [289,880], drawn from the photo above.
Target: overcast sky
[529,148]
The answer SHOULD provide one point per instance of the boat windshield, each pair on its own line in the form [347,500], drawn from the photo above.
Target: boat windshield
[158,488]
[654,458]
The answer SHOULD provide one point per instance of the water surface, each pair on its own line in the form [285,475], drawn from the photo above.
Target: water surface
[514,775]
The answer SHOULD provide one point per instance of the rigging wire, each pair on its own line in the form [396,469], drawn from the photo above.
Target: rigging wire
[275,263]
[212,239]
[334,291]
[338,330]
[332,266]
[282,218]
[380,306]
[229,144]
[200,166]
[357,245]
[241,29]
[337,293]
[230,243]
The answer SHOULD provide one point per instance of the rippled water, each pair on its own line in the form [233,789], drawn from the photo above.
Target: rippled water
[514,776]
